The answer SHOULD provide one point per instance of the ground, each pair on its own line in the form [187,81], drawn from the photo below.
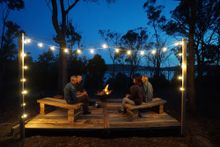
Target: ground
[200,132]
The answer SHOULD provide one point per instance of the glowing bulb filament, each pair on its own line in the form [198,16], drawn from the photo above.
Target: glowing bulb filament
[180,54]
[164,49]
[25,67]
[78,51]
[105,46]
[52,48]
[153,52]
[129,52]
[117,50]
[180,77]
[92,51]
[183,66]
[27,41]
[23,55]
[141,53]
[24,116]
[66,50]
[40,45]
[178,43]
[23,80]
[24,92]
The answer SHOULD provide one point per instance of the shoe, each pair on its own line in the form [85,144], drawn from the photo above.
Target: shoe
[140,115]
[121,111]
[87,112]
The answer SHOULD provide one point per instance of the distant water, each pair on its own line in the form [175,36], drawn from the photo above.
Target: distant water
[168,74]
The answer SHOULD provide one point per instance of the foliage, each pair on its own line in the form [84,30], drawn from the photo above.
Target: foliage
[134,40]
[112,39]
[207,24]
[8,49]
[157,21]
[96,68]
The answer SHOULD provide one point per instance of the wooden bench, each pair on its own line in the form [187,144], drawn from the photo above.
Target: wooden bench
[133,109]
[73,110]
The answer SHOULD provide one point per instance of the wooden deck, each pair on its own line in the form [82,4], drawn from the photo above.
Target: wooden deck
[105,118]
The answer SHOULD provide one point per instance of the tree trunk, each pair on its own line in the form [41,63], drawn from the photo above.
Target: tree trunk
[191,58]
[62,67]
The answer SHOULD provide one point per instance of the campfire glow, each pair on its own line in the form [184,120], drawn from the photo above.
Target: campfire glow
[105,91]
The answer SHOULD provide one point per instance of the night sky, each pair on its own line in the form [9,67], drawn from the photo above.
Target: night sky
[88,18]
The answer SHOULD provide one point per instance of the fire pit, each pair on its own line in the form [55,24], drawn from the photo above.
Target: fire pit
[104,92]
[102,96]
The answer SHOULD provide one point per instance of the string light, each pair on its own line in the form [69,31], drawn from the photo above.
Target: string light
[78,51]
[104,46]
[180,77]
[24,116]
[153,52]
[129,52]
[24,92]
[52,48]
[180,54]
[142,53]
[92,51]
[117,50]
[23,80]
[40,45]
[25,67]
[164,49]
[23,55]
[178,43]
[183,66]
[27,41]
[23,104]
[66,50]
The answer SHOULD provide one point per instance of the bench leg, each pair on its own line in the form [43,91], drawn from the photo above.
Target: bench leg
[133,114]
[42,108]
[71,117]
[161,109]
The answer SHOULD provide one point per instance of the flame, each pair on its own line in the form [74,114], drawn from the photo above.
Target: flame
[106,90]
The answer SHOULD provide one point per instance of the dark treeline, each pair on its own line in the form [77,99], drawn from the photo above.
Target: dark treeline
[197,20]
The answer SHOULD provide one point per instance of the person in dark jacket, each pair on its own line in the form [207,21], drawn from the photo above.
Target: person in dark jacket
[72,95]
[136,95]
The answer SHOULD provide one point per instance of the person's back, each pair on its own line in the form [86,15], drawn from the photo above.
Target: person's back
[137,94]
[70,93]
[148,89]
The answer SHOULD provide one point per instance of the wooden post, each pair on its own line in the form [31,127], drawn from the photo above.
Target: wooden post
[42,108]
[161,109]
[21,75]
[71,116]
[184,77]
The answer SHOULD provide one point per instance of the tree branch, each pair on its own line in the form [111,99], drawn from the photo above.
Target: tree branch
[55,16]
[71,6]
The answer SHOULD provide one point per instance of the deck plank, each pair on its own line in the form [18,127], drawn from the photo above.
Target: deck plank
[101,118]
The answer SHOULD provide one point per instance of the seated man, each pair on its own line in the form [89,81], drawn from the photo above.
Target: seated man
[148,89]
[71,95]
[79,86]
[136,94]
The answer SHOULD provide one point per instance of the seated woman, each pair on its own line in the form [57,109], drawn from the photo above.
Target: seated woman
[136,94]
[148,89]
